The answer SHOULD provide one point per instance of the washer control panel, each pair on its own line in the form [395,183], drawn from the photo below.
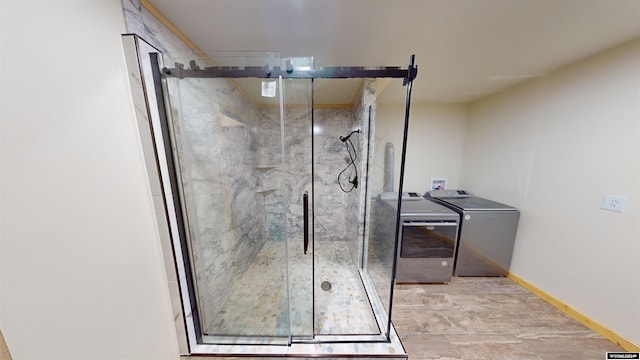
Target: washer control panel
[444,193]
[405,196]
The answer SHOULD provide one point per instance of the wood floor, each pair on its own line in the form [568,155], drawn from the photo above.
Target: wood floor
[488,318]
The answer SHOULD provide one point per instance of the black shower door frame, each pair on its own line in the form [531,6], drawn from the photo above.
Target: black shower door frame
[193,71]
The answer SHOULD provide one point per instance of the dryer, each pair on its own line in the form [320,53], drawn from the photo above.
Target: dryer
[427,238]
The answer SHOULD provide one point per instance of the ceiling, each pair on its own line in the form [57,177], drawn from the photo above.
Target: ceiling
[465,49]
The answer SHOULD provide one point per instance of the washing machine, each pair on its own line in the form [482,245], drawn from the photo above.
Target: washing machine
[486,235]
[427,238]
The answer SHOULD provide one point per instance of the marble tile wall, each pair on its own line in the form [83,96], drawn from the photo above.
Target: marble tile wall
[339,216]
[142,23]
[216,130]
[331,158]
[297,171]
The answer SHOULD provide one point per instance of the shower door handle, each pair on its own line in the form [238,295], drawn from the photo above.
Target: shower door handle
[305,205]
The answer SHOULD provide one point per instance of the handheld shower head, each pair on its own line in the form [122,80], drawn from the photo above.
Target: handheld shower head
[345,138]
[352,164]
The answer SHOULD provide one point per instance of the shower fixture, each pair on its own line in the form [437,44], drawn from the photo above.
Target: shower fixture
[352,163]
[345,138]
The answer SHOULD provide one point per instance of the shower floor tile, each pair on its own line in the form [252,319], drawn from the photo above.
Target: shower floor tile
[345,308]
[257,305]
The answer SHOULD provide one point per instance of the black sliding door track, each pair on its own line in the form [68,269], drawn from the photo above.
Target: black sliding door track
[265,72]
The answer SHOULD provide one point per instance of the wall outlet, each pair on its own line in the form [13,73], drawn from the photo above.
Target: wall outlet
[614,203]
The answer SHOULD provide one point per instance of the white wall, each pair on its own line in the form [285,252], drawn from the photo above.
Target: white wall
[81,273]
[434,145]
[553,147]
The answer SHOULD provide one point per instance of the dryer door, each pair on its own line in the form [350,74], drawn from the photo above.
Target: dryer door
[426,251]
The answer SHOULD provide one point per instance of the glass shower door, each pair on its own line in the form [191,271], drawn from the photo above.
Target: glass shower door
[341,131]
[297,111]
[243,202]
[270,233]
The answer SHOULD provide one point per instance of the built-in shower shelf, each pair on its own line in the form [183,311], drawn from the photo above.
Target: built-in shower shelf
[265,167]
[263,191]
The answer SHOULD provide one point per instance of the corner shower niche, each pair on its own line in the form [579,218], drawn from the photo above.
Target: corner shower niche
[264,182]
[264,221]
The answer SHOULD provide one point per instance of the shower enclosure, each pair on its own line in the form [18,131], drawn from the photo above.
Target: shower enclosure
[269,172]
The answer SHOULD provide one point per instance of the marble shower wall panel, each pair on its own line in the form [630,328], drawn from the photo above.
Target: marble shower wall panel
[269,142]
[133,18]
[239,119]
[141,22]
[331,158]
[270,173]
[339,216]
[297,170]
[217,148]
[297,179]
[331,208]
